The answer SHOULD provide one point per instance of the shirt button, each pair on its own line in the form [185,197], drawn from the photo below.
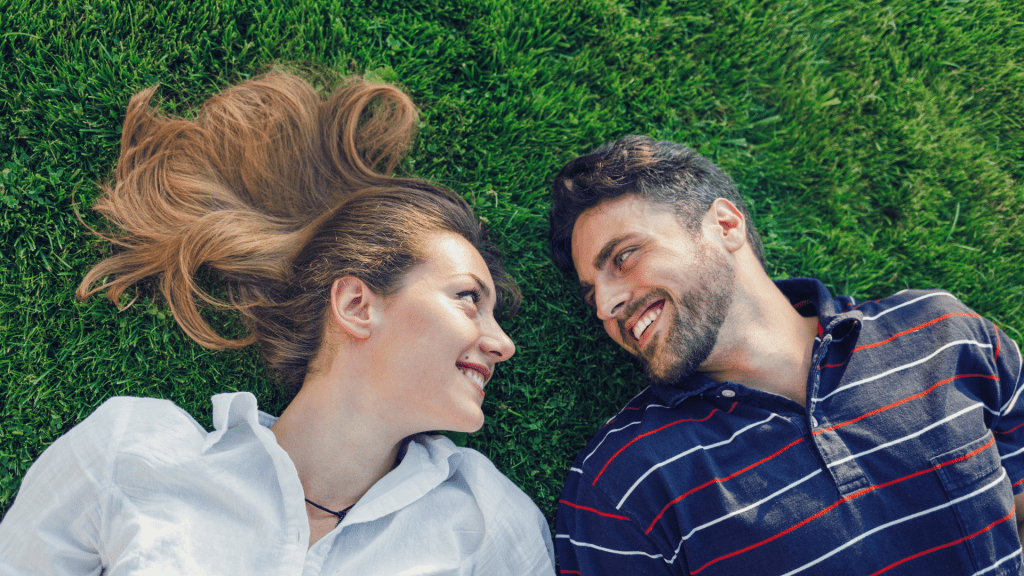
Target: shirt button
[814,422]
[728,393]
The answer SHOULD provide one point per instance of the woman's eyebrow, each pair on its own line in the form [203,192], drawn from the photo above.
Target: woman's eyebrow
[484,289]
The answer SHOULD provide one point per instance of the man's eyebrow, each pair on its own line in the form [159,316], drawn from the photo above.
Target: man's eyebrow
[606,252]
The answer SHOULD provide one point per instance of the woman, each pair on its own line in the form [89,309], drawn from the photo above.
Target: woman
[372,298]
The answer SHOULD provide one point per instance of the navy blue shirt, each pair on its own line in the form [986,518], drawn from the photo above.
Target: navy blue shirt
[905,459]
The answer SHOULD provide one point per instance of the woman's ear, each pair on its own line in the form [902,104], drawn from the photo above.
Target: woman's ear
[353,306]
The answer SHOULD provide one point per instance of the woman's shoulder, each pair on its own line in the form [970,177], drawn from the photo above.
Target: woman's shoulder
[86,459]
[492,489]
[518,531]
[123,423]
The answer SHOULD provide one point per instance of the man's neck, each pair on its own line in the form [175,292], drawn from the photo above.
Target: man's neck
[766,344]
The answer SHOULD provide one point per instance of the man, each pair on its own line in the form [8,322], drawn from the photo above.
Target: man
[785,431]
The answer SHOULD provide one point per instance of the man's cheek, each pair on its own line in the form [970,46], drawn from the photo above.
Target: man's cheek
[612,329]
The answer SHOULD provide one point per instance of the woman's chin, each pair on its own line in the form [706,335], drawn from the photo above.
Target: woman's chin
[469,424]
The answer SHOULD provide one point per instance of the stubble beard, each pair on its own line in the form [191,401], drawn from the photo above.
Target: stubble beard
[693,331]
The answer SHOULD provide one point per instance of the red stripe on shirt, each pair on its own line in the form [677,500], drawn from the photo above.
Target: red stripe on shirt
[800,305]
[1008,431]
[866,303]
[903,401]
[915,329]
[615,417]
[614,456]
[947,545]
[831,507]
[570,572]
[595,511]
[716,480]
[997,343]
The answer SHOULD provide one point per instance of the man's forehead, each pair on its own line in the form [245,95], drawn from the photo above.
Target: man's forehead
[599,228]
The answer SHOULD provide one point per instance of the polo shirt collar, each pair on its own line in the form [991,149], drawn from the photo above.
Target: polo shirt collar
[808,296]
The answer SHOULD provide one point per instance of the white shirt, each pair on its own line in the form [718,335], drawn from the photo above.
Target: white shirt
[139,487]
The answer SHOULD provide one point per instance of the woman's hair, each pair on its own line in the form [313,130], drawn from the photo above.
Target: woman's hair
[279,191]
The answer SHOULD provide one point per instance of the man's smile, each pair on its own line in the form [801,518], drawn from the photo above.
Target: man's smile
[646,319]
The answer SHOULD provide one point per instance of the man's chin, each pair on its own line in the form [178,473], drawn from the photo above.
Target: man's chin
[670,376]
[677,372]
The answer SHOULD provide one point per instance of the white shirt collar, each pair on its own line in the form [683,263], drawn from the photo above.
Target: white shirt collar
[425,465]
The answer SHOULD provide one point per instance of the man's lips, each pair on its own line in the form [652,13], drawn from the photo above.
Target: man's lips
[640,323]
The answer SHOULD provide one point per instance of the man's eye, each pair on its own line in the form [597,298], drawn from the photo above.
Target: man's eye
[621,257]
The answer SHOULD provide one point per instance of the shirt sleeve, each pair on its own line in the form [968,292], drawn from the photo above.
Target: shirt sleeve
[518,543]
[1008,419]
[593,538]
[54,526]
[517,540]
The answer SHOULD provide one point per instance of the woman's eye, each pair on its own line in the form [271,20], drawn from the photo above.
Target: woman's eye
[472,295]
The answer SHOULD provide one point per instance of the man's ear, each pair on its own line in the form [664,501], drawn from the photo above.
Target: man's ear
[727,223]
[353,306]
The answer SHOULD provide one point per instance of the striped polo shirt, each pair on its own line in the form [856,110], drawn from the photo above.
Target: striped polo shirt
[904,460]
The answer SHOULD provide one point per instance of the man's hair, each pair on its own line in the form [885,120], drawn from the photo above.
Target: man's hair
[662,172]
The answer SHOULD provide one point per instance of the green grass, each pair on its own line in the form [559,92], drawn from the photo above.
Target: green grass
[880,144]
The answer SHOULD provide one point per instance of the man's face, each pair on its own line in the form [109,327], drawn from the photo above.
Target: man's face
[661,291]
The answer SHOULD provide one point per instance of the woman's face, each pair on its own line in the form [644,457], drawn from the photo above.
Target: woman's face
[439,341]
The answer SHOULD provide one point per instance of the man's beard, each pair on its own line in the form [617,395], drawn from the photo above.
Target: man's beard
[693,331]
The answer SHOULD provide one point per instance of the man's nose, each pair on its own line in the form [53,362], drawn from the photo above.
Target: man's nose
[610,298]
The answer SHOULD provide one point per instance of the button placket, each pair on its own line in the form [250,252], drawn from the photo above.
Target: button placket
[812,400]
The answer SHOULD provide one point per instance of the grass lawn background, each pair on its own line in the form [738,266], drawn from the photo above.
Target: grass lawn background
[879,143]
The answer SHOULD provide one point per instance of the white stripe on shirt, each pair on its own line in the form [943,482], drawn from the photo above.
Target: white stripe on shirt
[1020,362]
[908,303]
[989,486]
[908,436]
[903,367]
[1007,558]
[690,451]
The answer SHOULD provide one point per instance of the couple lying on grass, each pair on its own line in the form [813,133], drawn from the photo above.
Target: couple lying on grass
[785,430]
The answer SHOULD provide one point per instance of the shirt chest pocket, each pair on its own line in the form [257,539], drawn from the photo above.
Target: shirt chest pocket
[980,495]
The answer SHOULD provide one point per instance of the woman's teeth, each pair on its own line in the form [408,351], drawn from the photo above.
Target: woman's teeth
[473,375]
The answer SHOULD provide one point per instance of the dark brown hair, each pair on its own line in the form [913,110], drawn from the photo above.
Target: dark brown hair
[662,172]
[279,191]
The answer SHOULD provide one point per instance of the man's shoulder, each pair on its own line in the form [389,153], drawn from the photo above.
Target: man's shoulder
[913,300]
[917,309]
[642,416]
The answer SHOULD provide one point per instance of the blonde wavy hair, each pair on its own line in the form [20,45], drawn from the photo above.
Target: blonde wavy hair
[279,191]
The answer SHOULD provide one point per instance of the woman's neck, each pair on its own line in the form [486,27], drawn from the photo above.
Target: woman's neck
[337,450]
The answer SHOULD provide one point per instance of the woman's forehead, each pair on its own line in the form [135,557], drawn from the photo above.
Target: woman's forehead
[448,256]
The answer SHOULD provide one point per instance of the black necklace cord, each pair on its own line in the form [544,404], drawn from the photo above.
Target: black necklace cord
[341,515]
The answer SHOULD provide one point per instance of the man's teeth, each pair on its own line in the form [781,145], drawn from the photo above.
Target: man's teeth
[473,375]
[643,323]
